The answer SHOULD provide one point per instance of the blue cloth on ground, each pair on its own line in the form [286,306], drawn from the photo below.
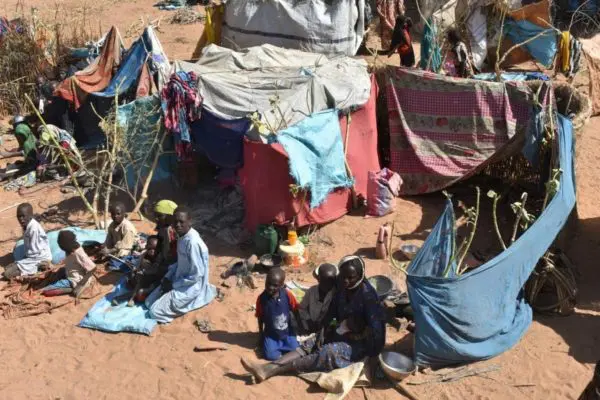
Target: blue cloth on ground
[482,313]
[542,48]
[58,255]
[273,349]
[59,284]
[316,152]
[221,140]
[104,317]
[115,265]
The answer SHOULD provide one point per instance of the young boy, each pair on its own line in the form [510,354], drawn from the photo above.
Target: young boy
[150,272]
[273,310]
[37,247]
[121,234]
[315,304]
[79,267]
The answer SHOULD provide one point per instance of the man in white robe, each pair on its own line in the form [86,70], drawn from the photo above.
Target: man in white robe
[185,287]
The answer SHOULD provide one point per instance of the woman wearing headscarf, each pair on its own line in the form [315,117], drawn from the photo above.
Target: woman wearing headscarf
[353,330]
[163,213]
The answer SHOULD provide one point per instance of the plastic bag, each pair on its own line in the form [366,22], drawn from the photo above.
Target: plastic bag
[382,188]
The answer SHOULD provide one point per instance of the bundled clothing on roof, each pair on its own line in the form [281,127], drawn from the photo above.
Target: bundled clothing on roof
[181,103]
[189,278]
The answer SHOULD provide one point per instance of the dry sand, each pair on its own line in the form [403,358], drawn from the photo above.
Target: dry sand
[48,357]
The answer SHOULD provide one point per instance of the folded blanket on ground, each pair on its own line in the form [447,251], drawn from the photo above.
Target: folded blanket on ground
[103,316]
[316,152]
[58,255]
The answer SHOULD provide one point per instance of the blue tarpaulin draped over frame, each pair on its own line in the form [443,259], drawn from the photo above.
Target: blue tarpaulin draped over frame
[482,313]
[130,68]
[543,48]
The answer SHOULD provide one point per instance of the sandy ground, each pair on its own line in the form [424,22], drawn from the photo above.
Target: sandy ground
[48,357]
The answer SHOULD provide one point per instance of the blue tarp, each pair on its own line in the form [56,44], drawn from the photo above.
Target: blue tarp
[513,76]
[482,313]
[139,120]
[316,152]
[58,255]
[542,48]
[130,68]
[221,140]
[104,317]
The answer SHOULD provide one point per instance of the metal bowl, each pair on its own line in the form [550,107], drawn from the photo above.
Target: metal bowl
[409,250]
[382,285]
[271,260]
[396,366]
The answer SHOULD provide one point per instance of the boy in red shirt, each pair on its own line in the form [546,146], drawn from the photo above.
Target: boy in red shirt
[274,308]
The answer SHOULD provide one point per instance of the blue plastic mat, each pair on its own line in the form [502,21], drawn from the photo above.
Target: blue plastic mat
[104,317]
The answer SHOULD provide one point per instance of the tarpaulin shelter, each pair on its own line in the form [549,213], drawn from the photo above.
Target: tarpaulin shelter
[320,26]
[144,59]
[266,179]
[97,75]
[282,86]
[482,313]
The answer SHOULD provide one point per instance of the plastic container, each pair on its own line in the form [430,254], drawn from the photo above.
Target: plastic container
[292,238]
[265,239]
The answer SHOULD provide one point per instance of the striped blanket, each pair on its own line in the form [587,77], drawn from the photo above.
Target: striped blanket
[444,129]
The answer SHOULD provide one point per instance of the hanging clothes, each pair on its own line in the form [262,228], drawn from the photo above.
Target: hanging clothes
[431,54]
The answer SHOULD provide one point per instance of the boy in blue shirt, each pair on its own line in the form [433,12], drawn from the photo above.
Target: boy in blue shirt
[274,307]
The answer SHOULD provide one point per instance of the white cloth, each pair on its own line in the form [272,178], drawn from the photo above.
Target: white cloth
[37,248]
[189,276]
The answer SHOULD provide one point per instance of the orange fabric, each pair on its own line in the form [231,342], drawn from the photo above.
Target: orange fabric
[96,76]
[146,84]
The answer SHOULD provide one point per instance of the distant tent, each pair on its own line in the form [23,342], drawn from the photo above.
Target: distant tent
[319,26]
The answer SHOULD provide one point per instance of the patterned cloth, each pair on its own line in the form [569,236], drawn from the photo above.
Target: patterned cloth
[181,105]
[341,351]
[442,129]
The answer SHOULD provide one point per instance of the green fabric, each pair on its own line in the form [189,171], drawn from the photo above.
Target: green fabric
[430,48]
[28,141]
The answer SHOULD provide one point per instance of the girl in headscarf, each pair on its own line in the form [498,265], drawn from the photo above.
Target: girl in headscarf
[163,213]
[354,329]
[402,42]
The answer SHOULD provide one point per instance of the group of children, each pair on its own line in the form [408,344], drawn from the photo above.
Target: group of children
[121,237]
[281,318]
[458,61]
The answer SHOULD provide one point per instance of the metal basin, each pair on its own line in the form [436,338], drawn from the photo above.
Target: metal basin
[395,365]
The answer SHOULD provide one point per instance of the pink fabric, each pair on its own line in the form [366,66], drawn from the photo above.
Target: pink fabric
[266,179]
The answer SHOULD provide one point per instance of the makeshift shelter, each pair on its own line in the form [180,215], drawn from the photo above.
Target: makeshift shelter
[482,313]
[320,26]
[284,88]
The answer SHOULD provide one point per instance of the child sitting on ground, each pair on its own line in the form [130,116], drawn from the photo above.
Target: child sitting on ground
[315,303]
[149,273]
[79,267]
[36,244]
[274,308]
[121,235]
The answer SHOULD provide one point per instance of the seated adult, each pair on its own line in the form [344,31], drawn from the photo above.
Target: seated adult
[360,331]
[185,287]
[27,149]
